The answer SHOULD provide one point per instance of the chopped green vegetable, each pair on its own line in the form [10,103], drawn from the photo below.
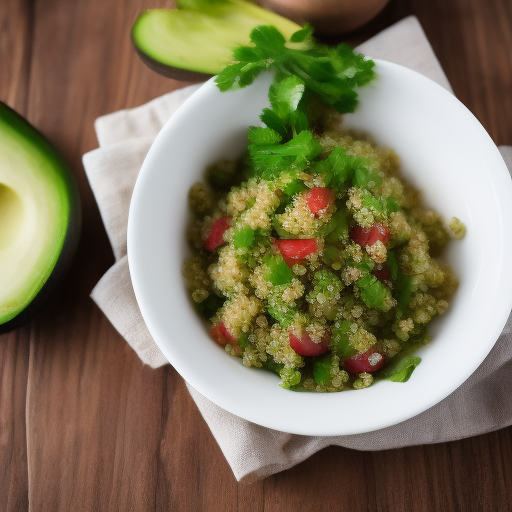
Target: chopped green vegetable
[340,340]
[400,368]
[332,255]
[363,177]
[279,272]
[295,187]
[322,370]
[337,167]
[392,264]
[282,233]
[403,289]
[392,204]
[336,229]
[243,341]
[282,311]
[373,292]
[272,366]
[373,204]
[244,238]
[366,265]
[325,293]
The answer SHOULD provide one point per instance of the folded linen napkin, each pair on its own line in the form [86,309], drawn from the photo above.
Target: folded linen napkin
[480,405]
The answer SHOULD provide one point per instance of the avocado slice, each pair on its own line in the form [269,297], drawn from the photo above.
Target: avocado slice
[39,218]
[197,40]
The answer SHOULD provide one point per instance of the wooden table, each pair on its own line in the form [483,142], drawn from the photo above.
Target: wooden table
[77,429]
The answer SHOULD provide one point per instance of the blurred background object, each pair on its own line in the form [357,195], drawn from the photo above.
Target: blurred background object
[328,16]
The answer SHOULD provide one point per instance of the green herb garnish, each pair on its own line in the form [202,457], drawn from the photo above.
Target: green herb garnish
[331,73]
[312,71]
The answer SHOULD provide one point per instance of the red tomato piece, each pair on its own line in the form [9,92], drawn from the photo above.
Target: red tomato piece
[383,273]
[319,199]
[215,238]
[369,361]
[221,335]
[304,346]
[368,236]
[294,251]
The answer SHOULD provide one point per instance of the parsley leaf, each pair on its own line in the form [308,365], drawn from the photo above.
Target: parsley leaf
[295,155]
[274,122]
[263,136]
[340,340]
[373,292]
[304,70]
[268,38]
[337,167]
[330,73]
[285,94]
[302,35]
[322,370]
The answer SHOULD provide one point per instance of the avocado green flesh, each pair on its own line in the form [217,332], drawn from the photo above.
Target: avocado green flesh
[35,207]
[202,41]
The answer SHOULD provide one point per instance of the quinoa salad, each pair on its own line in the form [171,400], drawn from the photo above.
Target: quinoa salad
[328,278]
[312,256]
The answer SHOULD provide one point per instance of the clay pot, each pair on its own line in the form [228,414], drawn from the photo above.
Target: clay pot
[328,16]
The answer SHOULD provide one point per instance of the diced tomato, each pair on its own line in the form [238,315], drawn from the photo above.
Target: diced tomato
[215,238]
[295,251]
[320,198]
[368,236]
[369,361]
[221,335]
[304,346]
[383,273]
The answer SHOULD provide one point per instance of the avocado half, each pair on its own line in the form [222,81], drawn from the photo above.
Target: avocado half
[39,219]
[197,40]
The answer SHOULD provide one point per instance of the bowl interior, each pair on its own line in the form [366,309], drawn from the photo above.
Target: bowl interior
[444,151]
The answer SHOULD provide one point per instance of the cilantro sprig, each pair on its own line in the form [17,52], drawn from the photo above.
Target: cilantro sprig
[269,159]
[305,70]
[331,73]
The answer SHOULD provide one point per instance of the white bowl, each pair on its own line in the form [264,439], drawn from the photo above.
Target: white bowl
[444,151]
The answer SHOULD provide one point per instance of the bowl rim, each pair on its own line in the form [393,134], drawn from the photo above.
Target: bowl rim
[136,263]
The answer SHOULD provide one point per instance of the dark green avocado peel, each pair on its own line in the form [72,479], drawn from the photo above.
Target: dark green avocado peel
[39,219]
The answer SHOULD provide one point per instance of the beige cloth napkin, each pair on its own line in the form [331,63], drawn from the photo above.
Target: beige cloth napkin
[480,405]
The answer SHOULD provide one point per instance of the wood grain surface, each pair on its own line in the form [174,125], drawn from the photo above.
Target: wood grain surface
[83,424]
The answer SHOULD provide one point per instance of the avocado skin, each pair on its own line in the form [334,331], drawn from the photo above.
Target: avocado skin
[169,71]
[72,232]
